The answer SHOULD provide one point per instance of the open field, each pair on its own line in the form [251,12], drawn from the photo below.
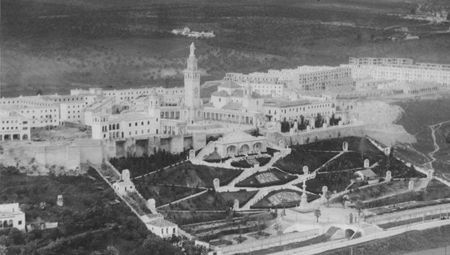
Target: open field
[54,46]
[187,174]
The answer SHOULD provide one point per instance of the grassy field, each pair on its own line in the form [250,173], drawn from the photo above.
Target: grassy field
[164,194]
[297,159]
[187,174]
[214,201]
[54,46]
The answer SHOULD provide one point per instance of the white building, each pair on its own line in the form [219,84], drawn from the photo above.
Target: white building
[438,73]
[12,217]
[124,185]
[159,226]
[13,126]
[278,110]
[239,143]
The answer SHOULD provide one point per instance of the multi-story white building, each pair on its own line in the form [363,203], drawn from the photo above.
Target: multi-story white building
[261,83]
[380,61]
[304,80]
[408,72]
[232,103]
[13,126]
[278,110]
[12,217]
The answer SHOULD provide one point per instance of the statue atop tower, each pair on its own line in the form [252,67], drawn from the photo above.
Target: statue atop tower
[192,101]
[192,50]
[192,60]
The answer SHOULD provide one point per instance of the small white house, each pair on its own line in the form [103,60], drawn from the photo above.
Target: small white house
[12,217]
[159,226]
[125,184]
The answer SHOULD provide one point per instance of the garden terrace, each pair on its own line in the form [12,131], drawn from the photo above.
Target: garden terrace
[214,201]
[410,221]
[407,206]
[146,164]
[350,160]
[313,185]
[336,181]
[294,162]
[433,191]
[189,175]
[208,226]
[266,178]
[380,190]
[281,199]
[398,169]
[231,225]
[193,216]
[360,144]
[163,194]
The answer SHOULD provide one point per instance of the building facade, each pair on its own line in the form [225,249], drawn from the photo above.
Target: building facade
[11,216]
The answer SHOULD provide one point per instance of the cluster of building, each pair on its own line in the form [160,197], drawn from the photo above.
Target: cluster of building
[194,34]
[243,99]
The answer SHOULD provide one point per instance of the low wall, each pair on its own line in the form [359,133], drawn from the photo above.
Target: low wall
[409,214]
[269,242]
[302,137]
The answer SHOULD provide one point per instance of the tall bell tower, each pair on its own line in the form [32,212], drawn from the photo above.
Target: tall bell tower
[193,106]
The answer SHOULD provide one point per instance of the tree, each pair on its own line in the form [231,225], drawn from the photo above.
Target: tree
[317,213]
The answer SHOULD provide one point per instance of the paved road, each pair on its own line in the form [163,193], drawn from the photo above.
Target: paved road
[437,251]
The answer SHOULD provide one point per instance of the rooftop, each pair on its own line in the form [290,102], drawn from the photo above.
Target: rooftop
[160,222]
[131,116]
[237,137]
[230,84]
[221,93]
[281,103]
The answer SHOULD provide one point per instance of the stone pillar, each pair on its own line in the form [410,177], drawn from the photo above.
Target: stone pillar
[59,200]
[388,176]
[345,146]
[236,205]
[216,183]
[151,204]
[366,163]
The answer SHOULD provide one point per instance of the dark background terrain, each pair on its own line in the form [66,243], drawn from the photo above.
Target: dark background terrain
[53,46]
